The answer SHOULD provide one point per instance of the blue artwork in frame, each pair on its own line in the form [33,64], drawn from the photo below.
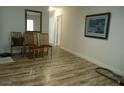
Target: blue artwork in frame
[97,25]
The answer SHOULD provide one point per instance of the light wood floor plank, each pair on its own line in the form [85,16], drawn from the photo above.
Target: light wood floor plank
[63,69]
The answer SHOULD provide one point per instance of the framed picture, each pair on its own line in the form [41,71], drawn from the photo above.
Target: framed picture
[97,25]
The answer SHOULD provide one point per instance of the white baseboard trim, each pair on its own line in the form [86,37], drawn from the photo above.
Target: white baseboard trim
[8,51]
[92,60]
[1,50]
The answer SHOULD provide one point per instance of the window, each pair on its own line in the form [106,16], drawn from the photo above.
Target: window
[30,25]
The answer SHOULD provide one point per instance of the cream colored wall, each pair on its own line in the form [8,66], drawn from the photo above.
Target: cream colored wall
[107,53]
[13,19]
[59,28]
[52,28]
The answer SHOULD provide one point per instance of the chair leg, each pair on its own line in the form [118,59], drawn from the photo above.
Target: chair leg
[34,54]
[21,51]
[27,51]
[51,52]
[11,51]
[38,52]
[47,50]
[43,52]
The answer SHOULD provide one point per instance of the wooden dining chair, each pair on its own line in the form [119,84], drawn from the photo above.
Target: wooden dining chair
[17,41]
[45,42]
[32,43]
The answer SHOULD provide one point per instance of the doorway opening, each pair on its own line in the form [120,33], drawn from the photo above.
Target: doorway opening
[55,27]
[58,30]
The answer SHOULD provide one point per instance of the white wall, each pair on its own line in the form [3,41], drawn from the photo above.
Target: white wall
[0,31]
[107,53]
[13,19]
[52,28]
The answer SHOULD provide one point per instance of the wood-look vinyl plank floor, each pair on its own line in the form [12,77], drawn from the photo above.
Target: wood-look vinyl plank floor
[63,69]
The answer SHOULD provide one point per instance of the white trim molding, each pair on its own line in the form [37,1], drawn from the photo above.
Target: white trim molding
[92,60]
